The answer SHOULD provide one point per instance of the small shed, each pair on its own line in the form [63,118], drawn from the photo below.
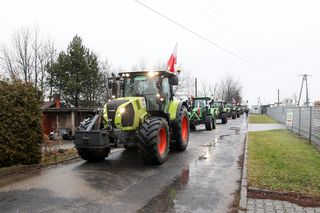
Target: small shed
[55,116]
[256,109]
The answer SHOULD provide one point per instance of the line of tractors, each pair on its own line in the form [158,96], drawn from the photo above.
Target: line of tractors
[205,110]
[145,114]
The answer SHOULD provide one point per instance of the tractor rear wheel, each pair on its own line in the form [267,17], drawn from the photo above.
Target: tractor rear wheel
[153,139]
[224,118]
[93,155]
[180,131]
[208,123]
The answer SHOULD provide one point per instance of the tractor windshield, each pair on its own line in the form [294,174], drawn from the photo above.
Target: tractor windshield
[217,104]
[144,86]
[200,103]
[140,86]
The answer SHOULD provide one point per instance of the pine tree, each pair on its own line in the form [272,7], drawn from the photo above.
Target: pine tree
[76,75]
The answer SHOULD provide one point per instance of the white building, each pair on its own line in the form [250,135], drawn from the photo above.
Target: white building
[256,109]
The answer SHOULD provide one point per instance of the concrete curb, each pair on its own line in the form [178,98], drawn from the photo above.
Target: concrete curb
[244,183]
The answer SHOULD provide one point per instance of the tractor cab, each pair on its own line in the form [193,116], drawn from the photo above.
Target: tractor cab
[222,110]
[218,104]
[201,102]
[154,86]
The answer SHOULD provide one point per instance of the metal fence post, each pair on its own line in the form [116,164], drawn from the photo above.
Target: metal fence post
[310,124]
[292,119]
[299,120]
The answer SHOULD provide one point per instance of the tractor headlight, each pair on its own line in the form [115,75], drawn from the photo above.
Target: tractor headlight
[122,110]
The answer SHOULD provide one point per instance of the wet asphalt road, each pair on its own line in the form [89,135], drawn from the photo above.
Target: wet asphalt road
[201,179]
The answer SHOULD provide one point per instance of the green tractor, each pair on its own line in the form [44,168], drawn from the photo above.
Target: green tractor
[231,108]
[221,111]
[239,110]
[201,112]
[146,115]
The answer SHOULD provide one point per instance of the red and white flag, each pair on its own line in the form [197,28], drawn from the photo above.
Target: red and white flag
[172,60]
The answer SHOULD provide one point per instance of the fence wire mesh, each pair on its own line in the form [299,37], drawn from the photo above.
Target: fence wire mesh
[305,120]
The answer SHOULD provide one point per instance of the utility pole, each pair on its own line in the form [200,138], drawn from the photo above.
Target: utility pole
[304,79]
[195,88]
[278,97]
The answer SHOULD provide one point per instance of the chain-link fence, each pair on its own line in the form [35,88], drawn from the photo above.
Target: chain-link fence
[304,121]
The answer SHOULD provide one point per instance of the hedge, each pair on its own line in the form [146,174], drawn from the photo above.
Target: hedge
[20,129]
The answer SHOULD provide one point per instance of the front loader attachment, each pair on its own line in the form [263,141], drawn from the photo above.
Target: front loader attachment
[90,134]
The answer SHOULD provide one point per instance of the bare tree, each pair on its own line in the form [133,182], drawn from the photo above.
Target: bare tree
[160,66]
[36,46]
[7,64]
[213,90]
[22,53]
[140,65]
[229,89]
[105,91]
[47,56]
[185,86]
[204,86]
[28,58]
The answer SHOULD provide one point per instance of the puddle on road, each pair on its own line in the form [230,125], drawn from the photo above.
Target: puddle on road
[208,148]
[222,136]
[164,201]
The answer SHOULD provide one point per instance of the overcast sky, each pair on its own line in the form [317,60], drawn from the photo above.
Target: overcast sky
[279,38]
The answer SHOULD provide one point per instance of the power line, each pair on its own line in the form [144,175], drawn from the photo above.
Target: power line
[198,35]
[235,26]
[207,16]
[231,20]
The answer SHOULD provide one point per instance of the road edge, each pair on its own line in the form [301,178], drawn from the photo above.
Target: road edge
[244,181]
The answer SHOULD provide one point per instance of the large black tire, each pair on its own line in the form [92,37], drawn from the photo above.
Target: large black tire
[180,131]
[208,122]
[214,122]
[153,138]
[238,114]
[93,155]
[233,115]
[224,118]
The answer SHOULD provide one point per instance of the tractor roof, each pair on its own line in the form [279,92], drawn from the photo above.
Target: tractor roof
[202,98]
[147,73]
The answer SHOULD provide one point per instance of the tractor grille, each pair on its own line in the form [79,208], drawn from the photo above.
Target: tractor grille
[112,107]
[127,117]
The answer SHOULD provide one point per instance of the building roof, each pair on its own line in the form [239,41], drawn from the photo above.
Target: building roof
[47,104]
[70,109]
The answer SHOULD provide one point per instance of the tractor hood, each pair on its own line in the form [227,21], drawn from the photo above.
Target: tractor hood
[124,113]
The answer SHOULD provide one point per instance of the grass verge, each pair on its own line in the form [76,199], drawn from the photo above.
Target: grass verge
[260,119]
[281,161]
[60,156]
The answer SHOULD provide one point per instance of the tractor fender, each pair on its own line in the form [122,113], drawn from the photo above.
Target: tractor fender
[175,107]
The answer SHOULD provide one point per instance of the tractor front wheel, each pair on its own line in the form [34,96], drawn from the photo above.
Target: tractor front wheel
[180,131]
[214,122]
[233,115]
[208,123]
[93,155]
[224,118]
[153,138]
